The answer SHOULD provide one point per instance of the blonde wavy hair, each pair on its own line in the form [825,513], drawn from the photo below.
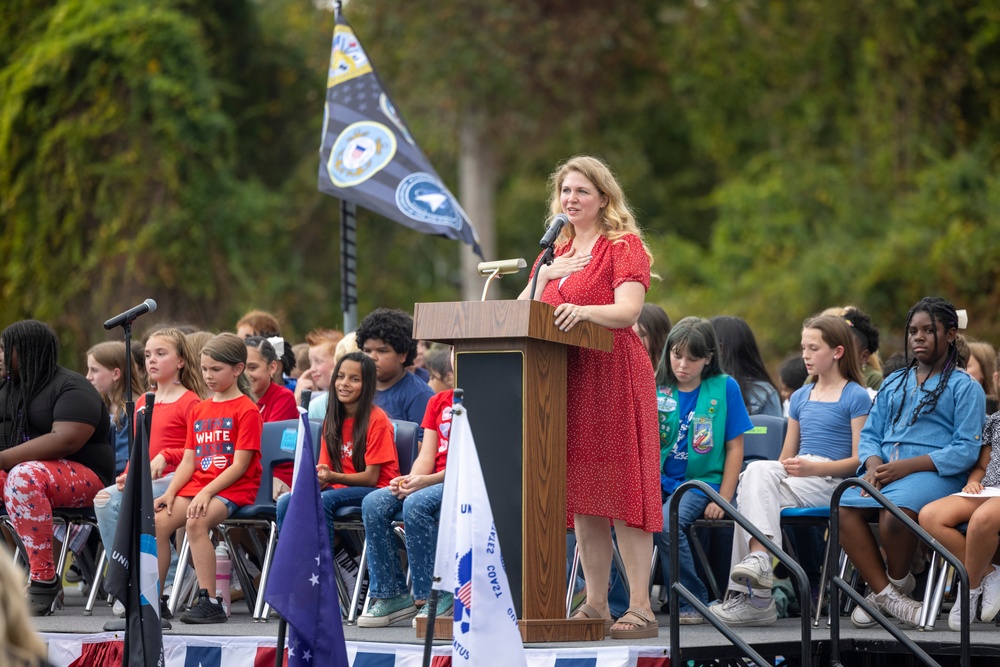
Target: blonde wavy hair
[616,219]
[19,644]
[190,373]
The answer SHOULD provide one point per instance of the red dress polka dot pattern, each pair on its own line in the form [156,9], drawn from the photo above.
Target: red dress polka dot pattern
[612,442]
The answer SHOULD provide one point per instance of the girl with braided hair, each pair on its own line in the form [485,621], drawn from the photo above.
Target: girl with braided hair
[54,448]
[922,437]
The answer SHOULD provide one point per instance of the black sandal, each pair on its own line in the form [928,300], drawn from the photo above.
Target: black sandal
[41,595]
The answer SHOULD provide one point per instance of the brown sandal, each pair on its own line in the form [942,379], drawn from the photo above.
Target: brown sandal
[586,611]
[642,626]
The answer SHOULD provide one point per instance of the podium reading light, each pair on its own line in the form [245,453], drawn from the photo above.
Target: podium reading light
[499,268]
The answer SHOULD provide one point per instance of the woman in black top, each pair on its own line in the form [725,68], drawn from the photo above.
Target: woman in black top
[54,448]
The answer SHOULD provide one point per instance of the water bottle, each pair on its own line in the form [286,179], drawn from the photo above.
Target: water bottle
[223,567]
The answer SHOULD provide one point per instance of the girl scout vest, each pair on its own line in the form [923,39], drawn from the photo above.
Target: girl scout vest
[705,431]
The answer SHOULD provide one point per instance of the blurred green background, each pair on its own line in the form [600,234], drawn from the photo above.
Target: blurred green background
[782,156]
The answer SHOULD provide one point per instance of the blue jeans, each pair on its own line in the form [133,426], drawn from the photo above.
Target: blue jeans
[691,509]
[107,517]
[421,517]
[333,499]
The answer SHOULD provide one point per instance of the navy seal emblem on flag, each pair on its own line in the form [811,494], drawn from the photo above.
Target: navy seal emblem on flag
[362,150]
[463,594]
[422,197]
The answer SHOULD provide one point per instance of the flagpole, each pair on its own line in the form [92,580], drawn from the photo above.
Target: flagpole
[432,599]
[348,263]
[279,652]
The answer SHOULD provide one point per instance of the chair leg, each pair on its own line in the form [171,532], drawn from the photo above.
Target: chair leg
[352,613]
[95,588]
[617,560]
[946,578]
[61,563]
[573,570]
[827,559]
[242,575]
[182,561]
[261,609]
[928,595]
[702,557]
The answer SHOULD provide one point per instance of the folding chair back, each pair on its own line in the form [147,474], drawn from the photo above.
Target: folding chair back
[764,441]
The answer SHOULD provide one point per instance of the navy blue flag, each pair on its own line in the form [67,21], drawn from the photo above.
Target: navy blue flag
[301,586]
[133,575]
[368,156]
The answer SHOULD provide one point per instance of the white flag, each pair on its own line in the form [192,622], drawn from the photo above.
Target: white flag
[469,563]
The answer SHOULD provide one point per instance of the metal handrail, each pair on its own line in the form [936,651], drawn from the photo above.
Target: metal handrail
[799,579]
[837,583]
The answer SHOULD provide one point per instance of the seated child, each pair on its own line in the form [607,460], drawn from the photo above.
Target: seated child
[979,543]
[820,450]
[418,495]
[358,451]
[920,441]
[697,401]
[386,336]
[219,473]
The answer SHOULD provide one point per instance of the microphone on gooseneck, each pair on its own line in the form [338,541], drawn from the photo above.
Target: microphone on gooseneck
[552,233]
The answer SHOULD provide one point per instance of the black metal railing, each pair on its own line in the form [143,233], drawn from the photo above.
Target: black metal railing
[799,580]
[838,584]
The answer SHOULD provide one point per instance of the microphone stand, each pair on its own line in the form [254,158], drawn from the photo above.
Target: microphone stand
[129,399]
[546,258]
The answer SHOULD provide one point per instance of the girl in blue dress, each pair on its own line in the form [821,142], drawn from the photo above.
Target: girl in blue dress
[921,439]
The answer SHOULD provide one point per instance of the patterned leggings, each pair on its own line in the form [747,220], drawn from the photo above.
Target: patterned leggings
[31,490]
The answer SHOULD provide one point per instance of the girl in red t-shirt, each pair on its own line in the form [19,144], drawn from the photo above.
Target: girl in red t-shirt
[219,473]
[358,451]
[276,403]
[173,373]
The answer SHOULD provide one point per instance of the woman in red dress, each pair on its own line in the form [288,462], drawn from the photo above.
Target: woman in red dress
[600,274]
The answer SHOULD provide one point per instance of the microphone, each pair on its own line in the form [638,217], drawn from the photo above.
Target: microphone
[558,222]
[130,315]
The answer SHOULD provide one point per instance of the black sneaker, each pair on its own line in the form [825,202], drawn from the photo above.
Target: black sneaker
[74,574]
[205,610]
[165,608]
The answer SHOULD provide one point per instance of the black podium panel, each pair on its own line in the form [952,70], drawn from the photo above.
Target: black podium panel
[493,383]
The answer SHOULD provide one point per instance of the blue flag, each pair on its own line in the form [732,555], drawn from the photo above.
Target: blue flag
[301,586]
[368,155]
[133,575]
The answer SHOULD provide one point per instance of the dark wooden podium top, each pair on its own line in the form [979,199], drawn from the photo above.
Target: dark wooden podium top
[450,321]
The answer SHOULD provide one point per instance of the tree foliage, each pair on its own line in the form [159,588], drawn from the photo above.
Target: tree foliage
[783,156]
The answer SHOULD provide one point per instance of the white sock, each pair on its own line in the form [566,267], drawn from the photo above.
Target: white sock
[898,583]
[887,589]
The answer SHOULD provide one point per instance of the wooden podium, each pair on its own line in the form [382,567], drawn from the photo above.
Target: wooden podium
[511,363]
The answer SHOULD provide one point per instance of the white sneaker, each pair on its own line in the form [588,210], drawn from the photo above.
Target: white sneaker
[738,610]
[900,606]
[755,569]
[861,618]
[908,584]
[955,615]
[991,594]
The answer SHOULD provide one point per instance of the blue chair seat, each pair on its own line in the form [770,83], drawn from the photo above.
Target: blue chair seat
[822,512]
[255,512]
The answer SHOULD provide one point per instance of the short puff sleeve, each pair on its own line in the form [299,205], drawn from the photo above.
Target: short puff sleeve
[629,262]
